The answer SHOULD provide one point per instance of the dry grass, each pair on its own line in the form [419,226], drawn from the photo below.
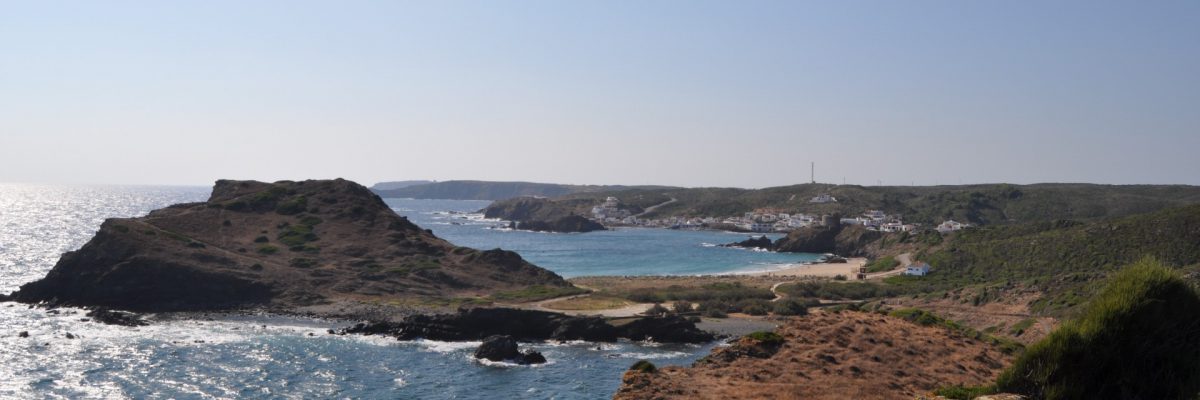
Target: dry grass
[589,303]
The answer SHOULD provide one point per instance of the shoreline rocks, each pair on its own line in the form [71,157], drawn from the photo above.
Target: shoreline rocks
[530,325]
[504,348]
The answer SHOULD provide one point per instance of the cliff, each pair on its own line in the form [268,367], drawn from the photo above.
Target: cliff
[847,355]
[279,246]
[844,240]
[539,214]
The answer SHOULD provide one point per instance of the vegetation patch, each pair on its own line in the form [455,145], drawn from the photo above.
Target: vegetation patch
[267,249]
[302,263]
[1136,339]
[643,366]
[883,264]
[1020,327]
[926,318]
[723,291]
[536,292]
[767,338]
[587,303]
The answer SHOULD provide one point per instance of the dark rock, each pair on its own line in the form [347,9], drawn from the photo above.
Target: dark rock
[23,334]
[110,317]
[70,336]
[849,240]
[666,329]
[530,325]
[761,242]
[530,356]
[568,224]
[498,348]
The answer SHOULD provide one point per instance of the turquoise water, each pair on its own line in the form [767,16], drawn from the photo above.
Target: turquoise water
[624,251]
[269,357]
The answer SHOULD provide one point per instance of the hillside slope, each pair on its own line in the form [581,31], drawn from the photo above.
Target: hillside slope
[976,204]
[276,245]
[847,355]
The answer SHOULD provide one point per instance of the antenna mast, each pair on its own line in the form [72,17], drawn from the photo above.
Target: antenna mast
[812,172]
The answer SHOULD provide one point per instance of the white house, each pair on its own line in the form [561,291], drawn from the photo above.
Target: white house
[823,198]
[917,269]
[951,226]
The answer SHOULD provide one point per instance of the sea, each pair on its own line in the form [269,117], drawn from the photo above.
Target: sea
[269,357]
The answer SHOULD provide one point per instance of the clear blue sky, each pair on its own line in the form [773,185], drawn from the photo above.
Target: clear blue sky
[732,93]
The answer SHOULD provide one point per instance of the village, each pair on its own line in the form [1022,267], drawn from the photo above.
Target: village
[611,214]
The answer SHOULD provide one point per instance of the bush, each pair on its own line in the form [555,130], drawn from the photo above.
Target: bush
[261,239]
[753,307]
[790,307]
[713,309]
[883,264]
[682,307]
[293,206]
[1137,339]
[657,310]
[643,366]
[766,337]
[268,249]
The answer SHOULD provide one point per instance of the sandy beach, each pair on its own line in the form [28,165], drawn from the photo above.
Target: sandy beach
[825,270]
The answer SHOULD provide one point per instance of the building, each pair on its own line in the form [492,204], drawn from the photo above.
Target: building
[823,198]
[917,269]
[951,226]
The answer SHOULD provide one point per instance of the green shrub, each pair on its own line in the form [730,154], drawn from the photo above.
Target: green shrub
[303,263]
[753,306]
[268,249]
[657,310]
[790,307]
[261,239]
[1137,339]
[958,392]
[883,264]
[767,338]
[682,306]
[643,366]
[292,206]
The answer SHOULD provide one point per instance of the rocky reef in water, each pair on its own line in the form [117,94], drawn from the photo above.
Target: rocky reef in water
[278,246]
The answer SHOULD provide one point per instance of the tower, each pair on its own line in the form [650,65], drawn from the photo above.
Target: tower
[812,172]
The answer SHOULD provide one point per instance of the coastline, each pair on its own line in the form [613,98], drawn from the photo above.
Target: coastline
[823,269]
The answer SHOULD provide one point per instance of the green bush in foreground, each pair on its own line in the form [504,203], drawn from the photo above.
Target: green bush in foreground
[1138,339]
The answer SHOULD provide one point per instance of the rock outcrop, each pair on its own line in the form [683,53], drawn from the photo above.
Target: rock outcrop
[847,355]
[540,214]
[530,325]
[841,239]
[504,348]
[759,242]
[276,246]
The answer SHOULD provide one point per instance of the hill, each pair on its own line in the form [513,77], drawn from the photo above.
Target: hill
[397,185]
[280,246]
[484,190]
[976,204]
[846,355]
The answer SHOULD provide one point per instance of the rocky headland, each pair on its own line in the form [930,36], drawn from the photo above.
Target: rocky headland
[840,239]
[275,246]
[540,214]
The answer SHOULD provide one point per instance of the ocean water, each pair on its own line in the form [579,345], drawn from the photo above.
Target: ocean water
[261,356]
[623,251]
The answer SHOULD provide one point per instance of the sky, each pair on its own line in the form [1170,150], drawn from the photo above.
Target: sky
[688,93]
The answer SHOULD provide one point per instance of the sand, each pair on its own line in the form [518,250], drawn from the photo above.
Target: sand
[825,270]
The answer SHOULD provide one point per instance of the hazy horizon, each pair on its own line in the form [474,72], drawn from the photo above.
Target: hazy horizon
[694,94]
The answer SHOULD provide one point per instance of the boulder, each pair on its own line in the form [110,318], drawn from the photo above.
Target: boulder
[110,317]
[761,242]
[665,329]
[498,348]
[504,348]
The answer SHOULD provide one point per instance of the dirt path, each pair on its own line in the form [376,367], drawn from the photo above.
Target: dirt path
[904,259]
[627,311]
[655,207]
